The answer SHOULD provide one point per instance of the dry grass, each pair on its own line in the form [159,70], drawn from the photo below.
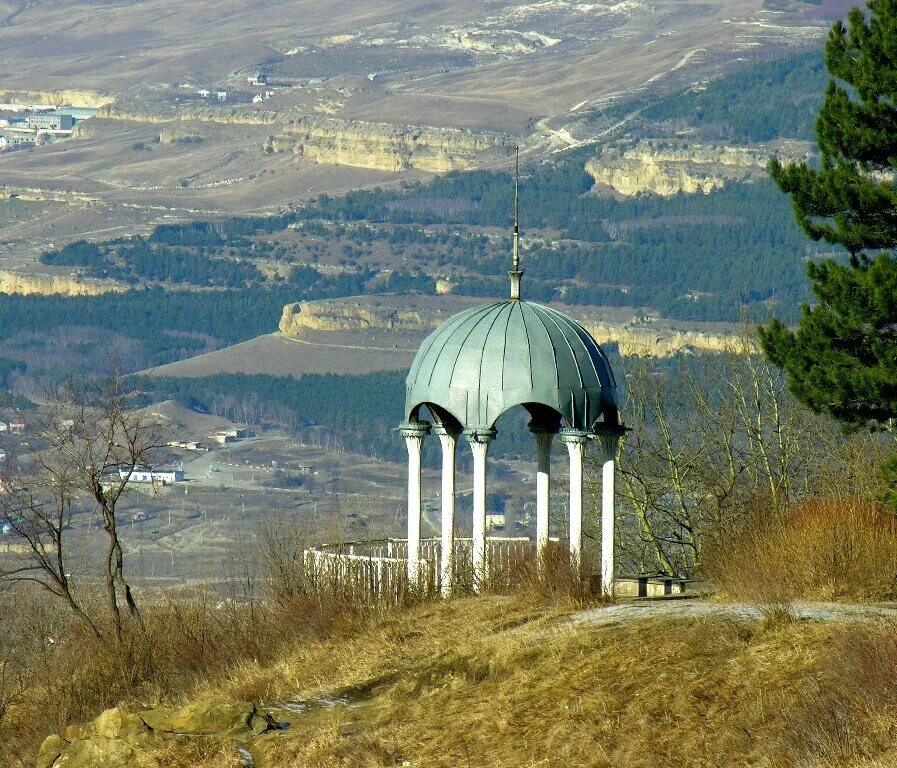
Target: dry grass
[53,673]
[488,682]
[501,681]
[820,550]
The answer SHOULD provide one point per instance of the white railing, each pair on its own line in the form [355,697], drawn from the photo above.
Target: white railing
[379,568]
[364,574]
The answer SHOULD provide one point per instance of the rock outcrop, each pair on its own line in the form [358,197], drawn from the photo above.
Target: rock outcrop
[178,136]
[326,316]
[669,167]
[117,736]
[386,147]
[50,285]
[77,97]
[39,195]
[641,341]
[166,113]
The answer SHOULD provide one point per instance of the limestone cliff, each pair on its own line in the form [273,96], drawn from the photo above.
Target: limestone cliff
[384,146]
[644,339]
[76,97]
[669,167]
[48,285]
[167,113]
[641,341]
[325,316]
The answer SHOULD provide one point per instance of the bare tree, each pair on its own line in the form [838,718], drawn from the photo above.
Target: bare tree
[90,443]
[711,436]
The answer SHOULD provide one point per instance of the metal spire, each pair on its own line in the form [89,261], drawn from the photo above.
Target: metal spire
[516,273]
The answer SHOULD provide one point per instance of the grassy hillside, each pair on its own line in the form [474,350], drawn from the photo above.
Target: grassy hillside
[496,682]
[291,669]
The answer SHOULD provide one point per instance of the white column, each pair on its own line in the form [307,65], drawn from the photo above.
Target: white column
[543,437]
[610,442]
[607,527]
[449,439]
[575,441]
[479,445]
[414,433]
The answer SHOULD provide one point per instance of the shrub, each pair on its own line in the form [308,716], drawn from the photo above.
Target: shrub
[819,549]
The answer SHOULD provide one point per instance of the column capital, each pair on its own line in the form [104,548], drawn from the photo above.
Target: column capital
[418,429]
[575,436]
[441,430]
[480,435]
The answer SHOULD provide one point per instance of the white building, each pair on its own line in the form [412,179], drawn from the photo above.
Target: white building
[230,435]
[155,477]
[26,140]
[495,522]
[3,426]
[51,122]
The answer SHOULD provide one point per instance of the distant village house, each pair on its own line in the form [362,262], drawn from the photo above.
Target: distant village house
[230,435]
[50,122]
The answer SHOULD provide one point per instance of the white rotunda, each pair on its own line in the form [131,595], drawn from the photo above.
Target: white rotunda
[481,363]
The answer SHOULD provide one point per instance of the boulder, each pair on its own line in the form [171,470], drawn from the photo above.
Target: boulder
[203,718]
[50,751]
[117,736]
[121,725]
[94,752]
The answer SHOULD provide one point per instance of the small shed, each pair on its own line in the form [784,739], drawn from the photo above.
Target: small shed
[649,585]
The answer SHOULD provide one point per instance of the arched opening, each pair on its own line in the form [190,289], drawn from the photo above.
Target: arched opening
[546,425]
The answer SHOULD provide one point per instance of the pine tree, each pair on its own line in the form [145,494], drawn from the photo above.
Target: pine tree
[842,359]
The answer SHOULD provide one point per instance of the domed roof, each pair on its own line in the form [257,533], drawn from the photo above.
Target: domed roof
[483,361]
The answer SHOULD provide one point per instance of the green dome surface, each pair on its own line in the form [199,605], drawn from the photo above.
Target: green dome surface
[486,360]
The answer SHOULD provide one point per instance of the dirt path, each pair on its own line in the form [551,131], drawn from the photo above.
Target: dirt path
[632,611]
